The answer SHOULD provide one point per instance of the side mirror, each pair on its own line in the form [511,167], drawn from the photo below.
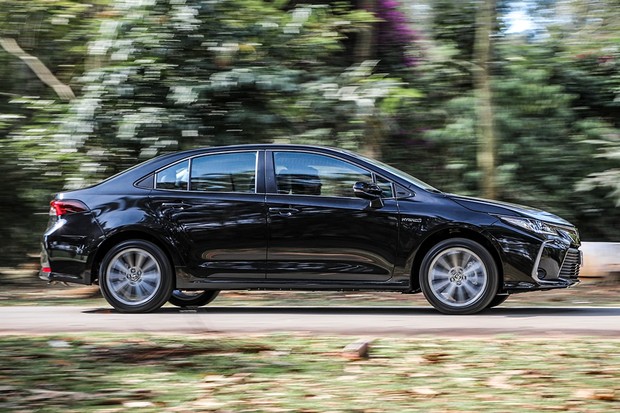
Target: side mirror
[369,191]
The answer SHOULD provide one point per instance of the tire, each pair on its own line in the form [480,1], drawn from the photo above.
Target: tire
[184,298]
[498,300]
[459,276]
[136,277]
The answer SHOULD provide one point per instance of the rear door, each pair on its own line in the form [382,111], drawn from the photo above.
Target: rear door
[213,205]
[318,230]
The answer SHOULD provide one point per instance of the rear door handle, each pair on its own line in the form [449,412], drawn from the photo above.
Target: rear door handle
[175,205]
[284,212]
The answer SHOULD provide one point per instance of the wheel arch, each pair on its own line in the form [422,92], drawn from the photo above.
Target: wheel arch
[447,233]
[132,234]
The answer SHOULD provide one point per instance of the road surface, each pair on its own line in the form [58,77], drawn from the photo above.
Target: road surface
[367,321]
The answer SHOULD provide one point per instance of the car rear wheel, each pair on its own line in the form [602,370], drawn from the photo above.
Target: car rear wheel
[188,298]
[459,276]
[136,277]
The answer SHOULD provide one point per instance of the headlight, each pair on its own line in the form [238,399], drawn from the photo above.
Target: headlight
[529,224]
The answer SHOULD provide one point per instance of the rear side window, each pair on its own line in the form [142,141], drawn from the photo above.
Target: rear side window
[173,177]
[226,172]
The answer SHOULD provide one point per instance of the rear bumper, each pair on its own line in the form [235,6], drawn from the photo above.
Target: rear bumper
[77,267]
[66,253]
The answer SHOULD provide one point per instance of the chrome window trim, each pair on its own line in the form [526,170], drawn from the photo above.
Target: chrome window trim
[391,182]
[190,159]
[372,173]
[156,173]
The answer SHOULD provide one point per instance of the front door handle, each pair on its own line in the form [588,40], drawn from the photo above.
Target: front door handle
[284,212]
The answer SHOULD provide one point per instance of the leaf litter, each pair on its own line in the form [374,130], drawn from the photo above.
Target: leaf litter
[297,373]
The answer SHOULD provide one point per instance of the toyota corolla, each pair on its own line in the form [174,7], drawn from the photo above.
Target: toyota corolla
[181,227]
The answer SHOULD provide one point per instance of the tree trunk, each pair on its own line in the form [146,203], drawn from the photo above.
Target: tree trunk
[364,50]
[365,42]
[484,106]
[43,73]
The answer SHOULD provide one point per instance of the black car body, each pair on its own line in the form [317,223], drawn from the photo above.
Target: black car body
[183,226]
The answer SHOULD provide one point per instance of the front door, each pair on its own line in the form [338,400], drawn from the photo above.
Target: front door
[318,230]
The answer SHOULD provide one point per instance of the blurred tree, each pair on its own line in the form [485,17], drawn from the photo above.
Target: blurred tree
[540,154]
[42,48]
[609,178]
[395,79]
[485,23]
[177,75]
[544,147]
[588,38]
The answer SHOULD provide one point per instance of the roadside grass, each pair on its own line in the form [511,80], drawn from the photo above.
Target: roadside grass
[297,373]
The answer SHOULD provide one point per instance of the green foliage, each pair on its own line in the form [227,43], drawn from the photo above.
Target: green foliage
[454,24]
[607,139]
[56,32]
[546,139]
[174,75]
[155,76]
[588,65]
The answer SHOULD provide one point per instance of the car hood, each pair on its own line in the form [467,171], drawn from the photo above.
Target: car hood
[505,208]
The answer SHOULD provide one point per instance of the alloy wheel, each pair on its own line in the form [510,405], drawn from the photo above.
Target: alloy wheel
[133,276]
[457,277]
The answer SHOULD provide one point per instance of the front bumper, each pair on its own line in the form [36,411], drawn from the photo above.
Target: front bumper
[546,269]
[533,262]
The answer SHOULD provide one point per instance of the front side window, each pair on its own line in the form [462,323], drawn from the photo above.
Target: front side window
[173,177]
[386,186]
[226,172]
[302,173]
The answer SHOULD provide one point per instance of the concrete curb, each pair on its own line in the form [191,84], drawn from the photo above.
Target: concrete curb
[600,259]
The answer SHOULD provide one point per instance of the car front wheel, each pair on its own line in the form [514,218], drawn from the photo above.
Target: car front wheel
[184,298]
[136,277]
[497,300]
[459,276]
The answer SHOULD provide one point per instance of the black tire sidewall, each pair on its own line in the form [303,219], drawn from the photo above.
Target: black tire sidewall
[204,298]
[498,300]
[490,266]
[163,290]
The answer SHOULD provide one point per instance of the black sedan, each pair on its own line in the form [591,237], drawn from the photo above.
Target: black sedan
[183,226]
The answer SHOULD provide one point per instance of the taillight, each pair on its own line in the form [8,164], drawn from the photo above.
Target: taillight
[63,207]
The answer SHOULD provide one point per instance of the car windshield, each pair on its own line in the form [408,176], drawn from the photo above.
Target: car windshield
[400,174]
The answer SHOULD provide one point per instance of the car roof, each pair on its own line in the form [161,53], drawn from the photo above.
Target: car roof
[142,169]
[265,146]
[139,171]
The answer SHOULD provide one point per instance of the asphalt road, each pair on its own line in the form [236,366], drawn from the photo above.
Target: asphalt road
[366,321]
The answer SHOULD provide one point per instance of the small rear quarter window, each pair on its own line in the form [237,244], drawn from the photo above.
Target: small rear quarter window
[146,182]
[173,177]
